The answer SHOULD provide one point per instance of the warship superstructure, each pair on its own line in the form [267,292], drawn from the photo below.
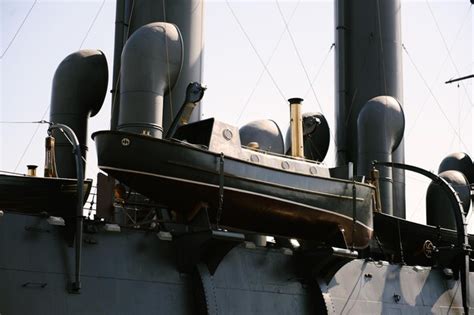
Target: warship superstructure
[185,207]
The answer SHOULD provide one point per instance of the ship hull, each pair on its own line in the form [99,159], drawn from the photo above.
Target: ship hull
[255,198]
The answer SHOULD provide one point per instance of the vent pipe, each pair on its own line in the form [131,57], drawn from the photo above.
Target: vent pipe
[380,127]
[79,89]
[187,15]
[458,170]
[151,63]
[368,63]
[439,210]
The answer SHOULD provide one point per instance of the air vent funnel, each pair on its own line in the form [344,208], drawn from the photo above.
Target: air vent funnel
[380,127]
[151,62]
[79,89]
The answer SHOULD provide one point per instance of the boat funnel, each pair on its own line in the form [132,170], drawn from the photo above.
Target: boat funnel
[380,127]
[79,89]
[316,137]
[151,62]
[32,170]
[262,134]
[296,125]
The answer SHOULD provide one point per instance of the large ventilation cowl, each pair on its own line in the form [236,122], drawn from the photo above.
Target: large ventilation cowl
[380,127]
[439,210]
[79,89]
[151,62]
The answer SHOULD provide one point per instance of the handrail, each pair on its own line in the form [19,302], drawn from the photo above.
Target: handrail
[69,133]
[462,237]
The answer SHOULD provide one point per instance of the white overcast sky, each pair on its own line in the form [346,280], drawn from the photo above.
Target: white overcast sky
[55,29]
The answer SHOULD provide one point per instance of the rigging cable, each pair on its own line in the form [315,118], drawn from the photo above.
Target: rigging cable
[302,64]
[320,68]
[19,29]
[40,122]
[115,90]
[363,67]
[299,56]
[92,24]
[255,50]
[436,100]
[438,74]
[267,64]
[381,48]
[447,48]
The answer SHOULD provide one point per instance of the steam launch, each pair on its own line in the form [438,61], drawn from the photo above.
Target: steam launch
[200,216]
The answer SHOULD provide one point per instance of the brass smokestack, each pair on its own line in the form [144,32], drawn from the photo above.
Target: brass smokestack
[296,123]
[32,170]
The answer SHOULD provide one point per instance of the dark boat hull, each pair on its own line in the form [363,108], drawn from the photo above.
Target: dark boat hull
[256,198]
[36,195]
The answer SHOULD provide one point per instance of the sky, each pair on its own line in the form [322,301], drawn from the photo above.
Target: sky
[437,35]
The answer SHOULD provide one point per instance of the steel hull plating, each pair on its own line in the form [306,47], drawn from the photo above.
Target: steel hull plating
[256,198]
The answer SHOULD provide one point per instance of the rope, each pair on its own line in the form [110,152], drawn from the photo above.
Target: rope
[92,24]
[436,100]
[447,48]
[40,122]
[19,29]
[302,64]
[25,122]
[381,48]
[267,63]
[299,55]
[363,67]
[320,68]
[115,90]
[255,50]
[418,115]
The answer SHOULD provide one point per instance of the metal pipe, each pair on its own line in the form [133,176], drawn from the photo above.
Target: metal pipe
[187,15]
[380,128]
[151,63]
[368,64]
[120,26]
[296,125]
[341,77]
[79,89]
[69,133]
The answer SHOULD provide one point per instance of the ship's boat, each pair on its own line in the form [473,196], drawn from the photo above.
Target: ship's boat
[37,195]
[205,165]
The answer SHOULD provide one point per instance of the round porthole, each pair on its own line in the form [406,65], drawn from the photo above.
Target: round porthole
[254,158]
[285,165]
[227,134]
[125,142]
[313,170]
